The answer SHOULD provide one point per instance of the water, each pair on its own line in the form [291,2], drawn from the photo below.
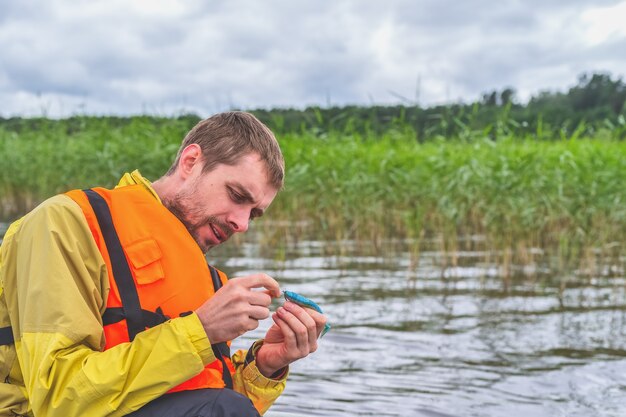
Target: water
[418,341]
[415,340]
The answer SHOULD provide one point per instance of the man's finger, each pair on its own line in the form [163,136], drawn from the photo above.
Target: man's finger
[260,298]
[259,313]
[261,280]
[319,319]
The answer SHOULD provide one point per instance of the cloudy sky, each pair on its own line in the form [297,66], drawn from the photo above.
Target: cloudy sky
[65,57]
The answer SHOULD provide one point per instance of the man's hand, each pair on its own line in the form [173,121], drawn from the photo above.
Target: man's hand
[236,308]
[293,336]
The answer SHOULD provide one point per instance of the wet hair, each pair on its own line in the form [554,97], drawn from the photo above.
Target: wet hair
[226,137]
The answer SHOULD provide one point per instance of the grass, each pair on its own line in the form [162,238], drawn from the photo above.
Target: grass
[529,200]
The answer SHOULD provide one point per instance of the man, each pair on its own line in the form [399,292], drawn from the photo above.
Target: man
[108,307]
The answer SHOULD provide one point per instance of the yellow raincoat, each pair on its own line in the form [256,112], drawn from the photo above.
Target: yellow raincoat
[54,285]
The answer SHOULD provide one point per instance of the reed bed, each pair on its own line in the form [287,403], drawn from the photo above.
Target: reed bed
[49,157]
[526,201]
[522,198]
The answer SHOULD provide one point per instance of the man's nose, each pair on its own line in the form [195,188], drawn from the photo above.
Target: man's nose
[240,220]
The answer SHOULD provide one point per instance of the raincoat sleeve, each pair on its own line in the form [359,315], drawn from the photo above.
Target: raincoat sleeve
[249,381]
[56,287]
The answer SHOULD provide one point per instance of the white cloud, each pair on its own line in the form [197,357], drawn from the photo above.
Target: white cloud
[605,23]
[170,56]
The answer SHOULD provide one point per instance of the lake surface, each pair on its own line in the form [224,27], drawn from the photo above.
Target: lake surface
[413,339]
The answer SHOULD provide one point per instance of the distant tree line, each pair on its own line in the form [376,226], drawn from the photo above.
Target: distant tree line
[596,103]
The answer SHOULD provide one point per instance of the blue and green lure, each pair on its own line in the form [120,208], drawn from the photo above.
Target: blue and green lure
[302,301]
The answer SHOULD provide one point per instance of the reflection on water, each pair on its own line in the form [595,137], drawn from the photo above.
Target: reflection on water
[411,339]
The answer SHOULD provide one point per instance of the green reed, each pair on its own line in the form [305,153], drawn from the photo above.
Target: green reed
[521,196]
[36,163]
[525,200]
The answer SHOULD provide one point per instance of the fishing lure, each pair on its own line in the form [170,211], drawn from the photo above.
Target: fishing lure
[305,302]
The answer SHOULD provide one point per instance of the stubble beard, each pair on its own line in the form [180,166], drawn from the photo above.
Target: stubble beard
[179,207]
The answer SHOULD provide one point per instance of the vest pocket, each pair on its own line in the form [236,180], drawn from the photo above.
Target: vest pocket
[145,261]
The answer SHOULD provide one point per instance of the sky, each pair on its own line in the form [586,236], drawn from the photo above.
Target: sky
[60,58]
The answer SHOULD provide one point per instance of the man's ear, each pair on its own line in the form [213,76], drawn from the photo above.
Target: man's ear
[190,157]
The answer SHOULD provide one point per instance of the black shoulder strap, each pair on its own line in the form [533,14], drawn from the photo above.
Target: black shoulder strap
[6,336]
[221,350]
[215,277]
[120,269]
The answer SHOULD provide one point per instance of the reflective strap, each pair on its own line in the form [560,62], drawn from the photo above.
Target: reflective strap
[121,271]
[6,336]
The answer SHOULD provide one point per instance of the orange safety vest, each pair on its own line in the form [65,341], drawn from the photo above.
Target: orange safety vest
[156,271]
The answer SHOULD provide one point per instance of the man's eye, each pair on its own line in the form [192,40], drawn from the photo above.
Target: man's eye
[237,198]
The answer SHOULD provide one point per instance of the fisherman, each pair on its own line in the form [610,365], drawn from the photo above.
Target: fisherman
[108,307]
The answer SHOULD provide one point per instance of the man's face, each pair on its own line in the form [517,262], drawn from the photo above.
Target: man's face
[215,205]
